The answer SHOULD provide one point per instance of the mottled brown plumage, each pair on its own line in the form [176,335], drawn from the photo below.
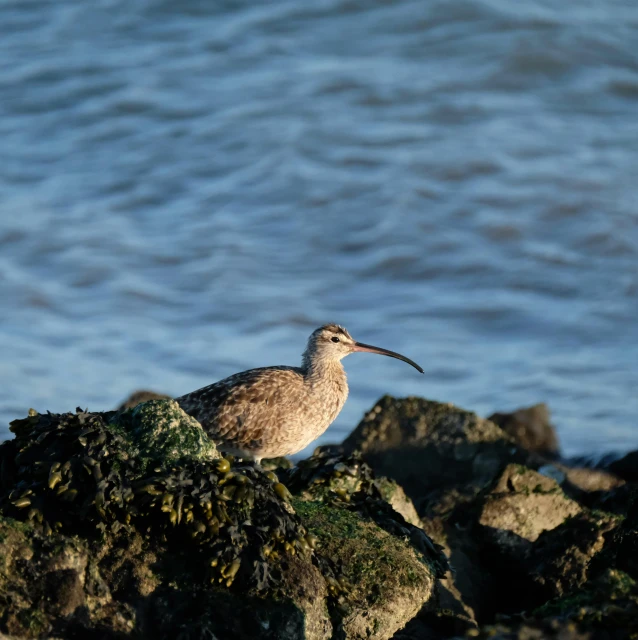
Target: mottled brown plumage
[277,411]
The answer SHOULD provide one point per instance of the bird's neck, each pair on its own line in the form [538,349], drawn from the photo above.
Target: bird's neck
[318,369]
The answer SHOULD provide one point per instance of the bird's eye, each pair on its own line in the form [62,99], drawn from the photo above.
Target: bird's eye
[335,339]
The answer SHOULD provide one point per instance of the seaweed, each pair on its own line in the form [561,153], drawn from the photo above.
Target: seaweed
[153,470]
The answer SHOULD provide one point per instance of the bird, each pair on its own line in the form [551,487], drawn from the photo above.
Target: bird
[278,411]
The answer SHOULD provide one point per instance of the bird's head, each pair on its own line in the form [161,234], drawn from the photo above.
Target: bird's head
[333,342]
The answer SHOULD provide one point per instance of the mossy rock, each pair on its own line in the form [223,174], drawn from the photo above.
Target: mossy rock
[380,581]
[45,580]
[395,496]
[151,470]
[161,433]
[129,586]
[171,540]
[327,476]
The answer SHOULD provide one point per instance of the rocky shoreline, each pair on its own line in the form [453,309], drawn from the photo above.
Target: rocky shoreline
[427,522]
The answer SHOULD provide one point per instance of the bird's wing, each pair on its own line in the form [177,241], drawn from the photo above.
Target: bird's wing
[238,408]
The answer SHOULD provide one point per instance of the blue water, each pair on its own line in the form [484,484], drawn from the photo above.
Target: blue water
[188,189]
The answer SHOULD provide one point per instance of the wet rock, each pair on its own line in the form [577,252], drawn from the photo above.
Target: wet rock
[142,395]
[531,429]
[430,447]
[626,467]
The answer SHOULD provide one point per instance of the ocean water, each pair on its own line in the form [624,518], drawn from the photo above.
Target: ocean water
[189,189]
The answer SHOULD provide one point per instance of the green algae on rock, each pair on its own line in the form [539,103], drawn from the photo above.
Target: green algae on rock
[179,541]
[161,433]
[377,581]
[348,481]
[380,568]
[74,473]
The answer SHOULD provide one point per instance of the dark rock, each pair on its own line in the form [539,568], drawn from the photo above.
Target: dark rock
[587,486]
[444,458]
[560,560]
[604,608]
[372,599]
[530,428]
[622,550]
[589,480]
[551,629]
[431,447]
[627,467]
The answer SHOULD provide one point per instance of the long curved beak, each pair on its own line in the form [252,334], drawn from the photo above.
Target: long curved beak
[367,348]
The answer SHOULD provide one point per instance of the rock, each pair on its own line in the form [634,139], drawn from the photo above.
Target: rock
[428,446]
[172,540]
[444,458]
[530,428]
[606,607]
[523,504]
[622,550]
[190,610]
[551,629]
[57,587]
[395,496]
[579,480]
[491,539]
[586,485]
[380,581]
[140,396]
[162,434]
[348,545]
[540,544]
[448,617]
[330,475]
[626,467]
[560,560]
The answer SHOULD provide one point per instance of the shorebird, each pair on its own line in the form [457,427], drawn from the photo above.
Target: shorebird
[277,411]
